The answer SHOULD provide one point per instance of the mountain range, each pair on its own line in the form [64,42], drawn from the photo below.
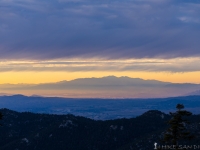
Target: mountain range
[106,87]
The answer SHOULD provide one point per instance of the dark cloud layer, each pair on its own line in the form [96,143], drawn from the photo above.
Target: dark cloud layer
[51,29]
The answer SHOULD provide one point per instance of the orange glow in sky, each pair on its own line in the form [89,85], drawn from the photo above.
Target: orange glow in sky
[179,70]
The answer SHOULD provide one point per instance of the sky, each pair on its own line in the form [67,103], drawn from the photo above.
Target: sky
[43,41]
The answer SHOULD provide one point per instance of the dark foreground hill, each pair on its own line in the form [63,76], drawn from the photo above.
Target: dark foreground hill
[29,131]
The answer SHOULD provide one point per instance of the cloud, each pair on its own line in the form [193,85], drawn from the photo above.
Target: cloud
[150,65]
[53,29]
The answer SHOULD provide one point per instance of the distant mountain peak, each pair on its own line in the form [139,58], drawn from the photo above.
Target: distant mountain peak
[18,95]
[110,76]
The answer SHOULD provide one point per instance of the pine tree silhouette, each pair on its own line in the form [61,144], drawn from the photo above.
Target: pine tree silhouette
[177,130]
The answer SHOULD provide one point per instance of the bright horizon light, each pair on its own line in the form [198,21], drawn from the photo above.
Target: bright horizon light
[176,70]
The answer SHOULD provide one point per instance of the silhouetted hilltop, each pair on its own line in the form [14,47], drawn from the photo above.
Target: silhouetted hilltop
[29,131]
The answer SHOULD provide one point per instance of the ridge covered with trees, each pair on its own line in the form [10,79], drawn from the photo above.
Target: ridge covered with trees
[29,131]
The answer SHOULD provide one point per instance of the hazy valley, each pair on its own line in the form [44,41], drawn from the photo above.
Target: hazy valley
[102,109]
